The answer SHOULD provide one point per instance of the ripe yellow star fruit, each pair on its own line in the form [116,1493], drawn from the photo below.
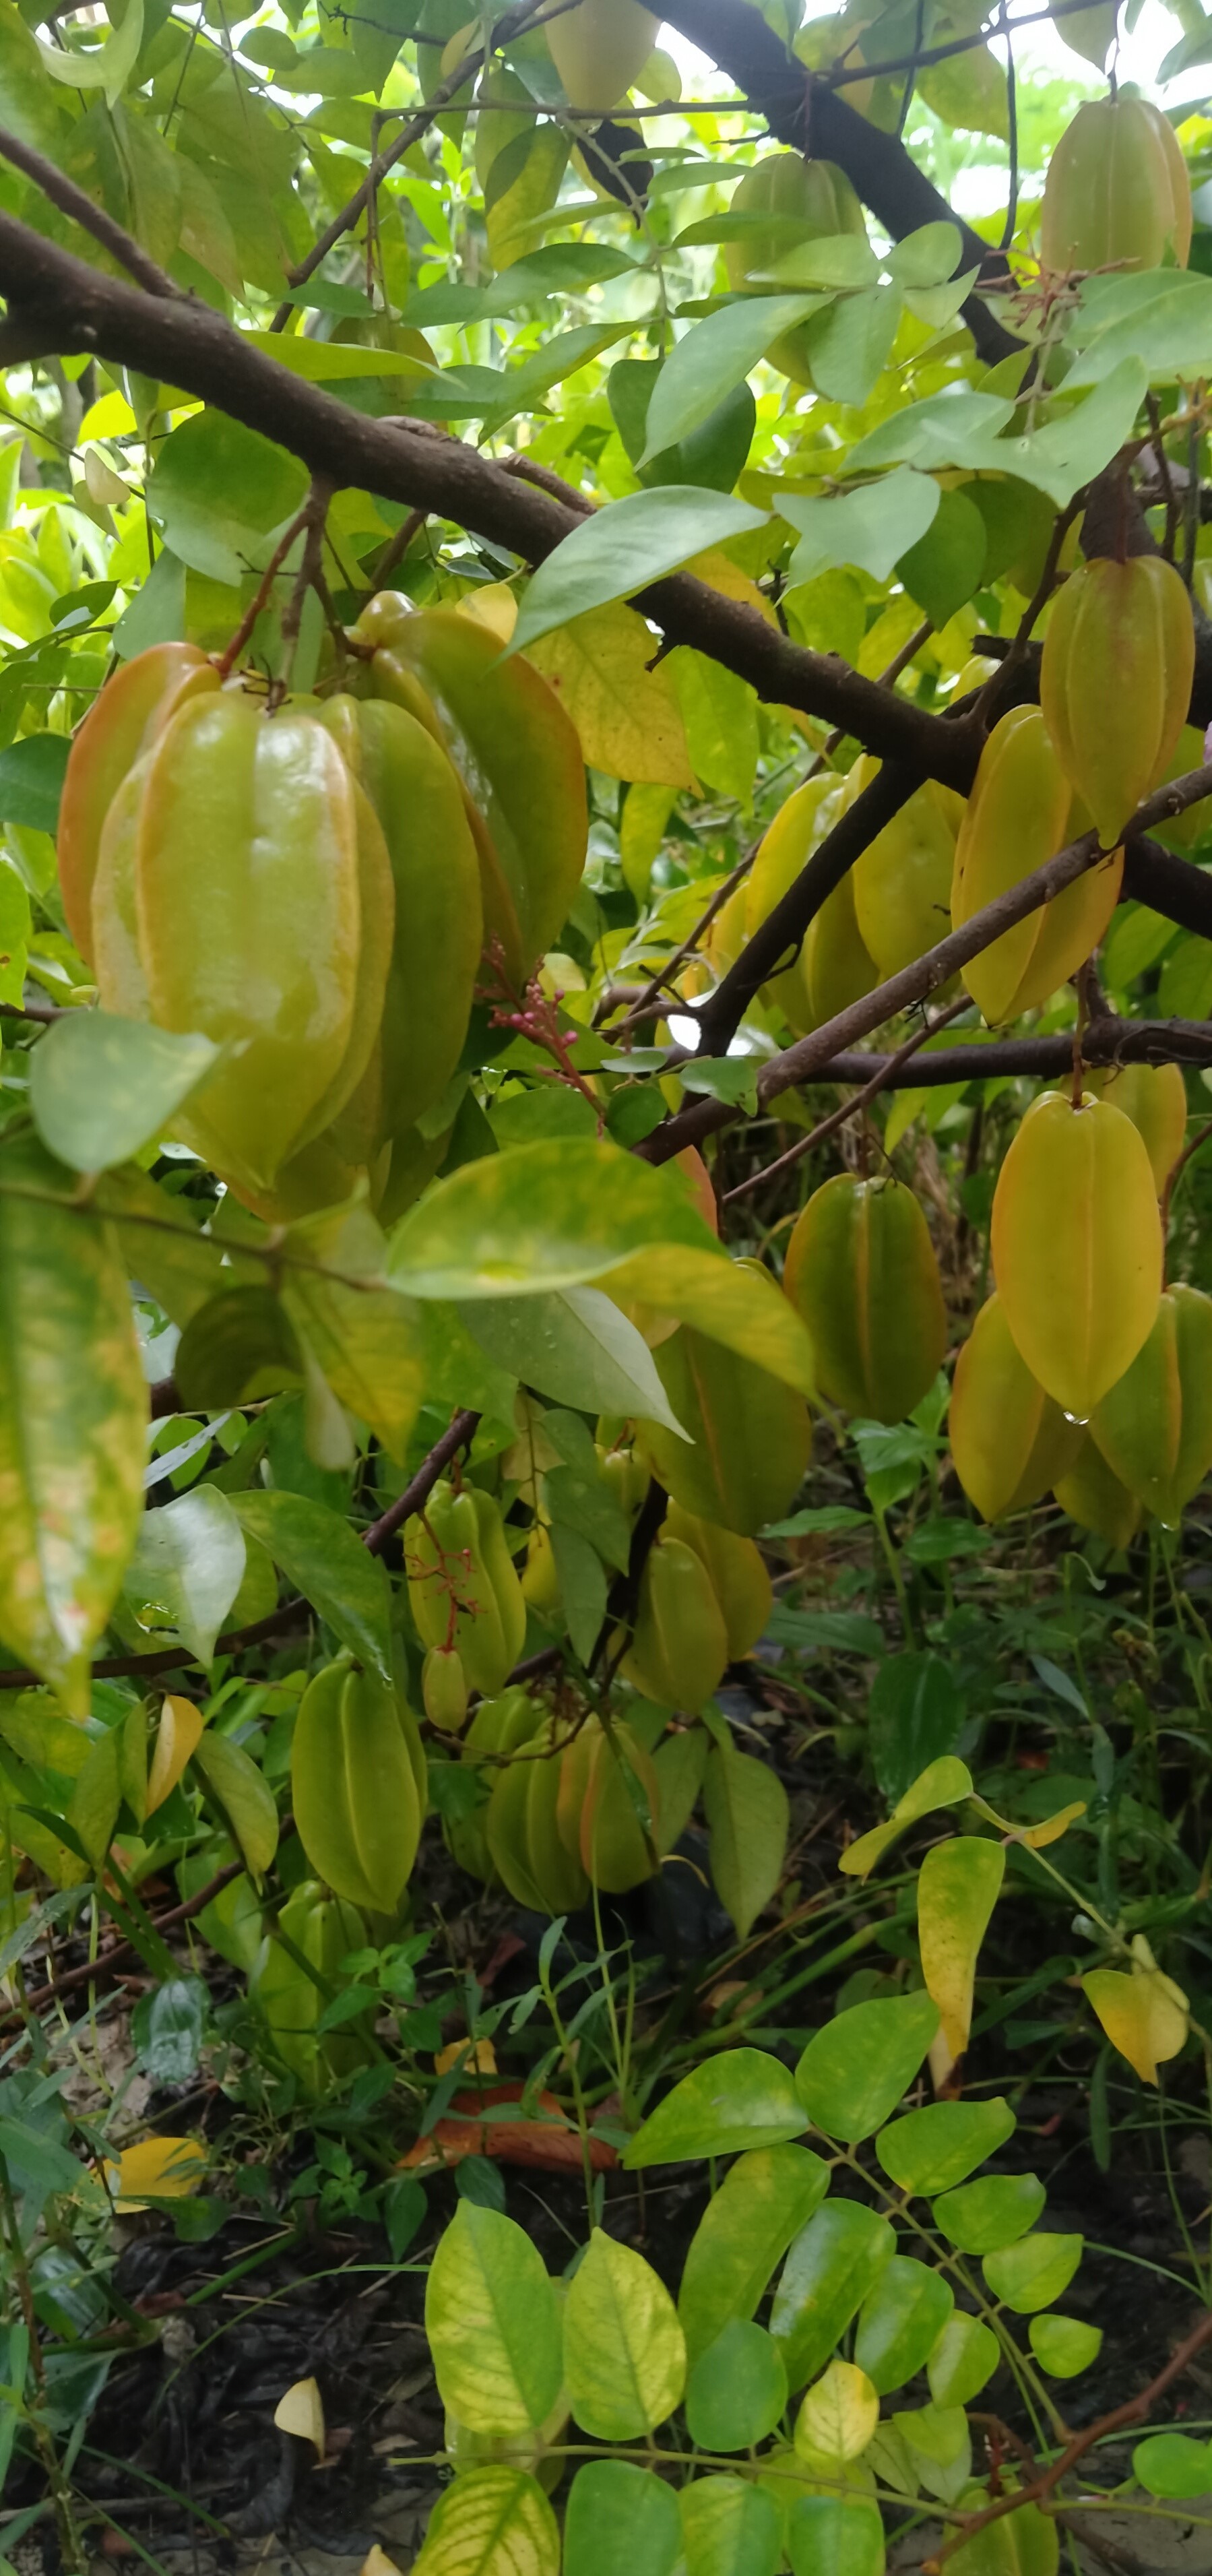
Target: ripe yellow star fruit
[862,1272]
[1115,681]
[1009,1441]
[1077,1247]
[1020,813]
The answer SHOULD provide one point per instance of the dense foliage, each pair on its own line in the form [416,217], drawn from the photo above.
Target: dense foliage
[605,1296]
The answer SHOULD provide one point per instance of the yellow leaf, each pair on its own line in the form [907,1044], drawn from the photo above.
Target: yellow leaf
[624,2349]
[728,1301]
[958,1888]
[720,573]
[180,1732]
[942,1784]
[838,2416]
[1035,1837]
[301,2411]
[1144,2015]
[494,607]
[478,2058]
[377,2563]
[627,715]
[158,2168]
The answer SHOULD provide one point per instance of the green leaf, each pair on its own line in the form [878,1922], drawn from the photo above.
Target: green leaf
[833,2264]
[941,2445]
[963,2361]
[371,1345]
[583,1589]
[1064,2346]
[969,92]
[101,1087]
[319,1553]
[933,2149]
[489,2521]
[576,1346]
[621,2521]
[737,2390]
[493,2325]
[541,1217]
[712,455]
[871,527]
[1058,458]
[1034,2272]
[96,1798]
[855,2070]
[943,569]
[927,257]
[105,67]
[765,2199]
[243,1797]
[719,714]
[743,2099]
[748,1818]
[981,2217]
[32,772]
[835,2536]
[915,1714]
[901,2322]
[625,546]
[187,1568]
[73,1403]
[714,356]
[220,495]
[727,1302]
[729,2529]
[1172,2465]
[1159,316]
[850,345]
[624,2352]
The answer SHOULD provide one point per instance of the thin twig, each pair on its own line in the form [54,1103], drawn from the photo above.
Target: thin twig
[883,1076]
[397,547]
[1039,2490]
[308,577]
[228,659]
[1199,1139]
[642,1009]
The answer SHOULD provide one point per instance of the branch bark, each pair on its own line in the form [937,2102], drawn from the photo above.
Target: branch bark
[810,117]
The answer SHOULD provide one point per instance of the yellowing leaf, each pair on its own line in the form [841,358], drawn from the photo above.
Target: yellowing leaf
[180,1729]
[626,714]
[624,2350]
[1144,2015]
[839,2415]
[158,2168]
[726,1300]
[494,606]
[957,1891]
[477,2057]
[720,573]
[301,2411]
[493,2327]
[1035,1837]
[942,1784]
[491,2522]
[377,2563]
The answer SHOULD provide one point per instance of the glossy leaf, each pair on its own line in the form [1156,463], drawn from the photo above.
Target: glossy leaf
[871,527]
[745,2098]
[855,2070]
[1032,2273]
[726,1301]
[963,2361]
[981,2217]
[625,546]
[1064,2346]
[493,2324]
[101,1087]
[713,357]
[748,1818]
[187,1567]
[319,1553]
[737,2390]
[1172,2465]
[764,2200]
[538,1218]
[942,1784]
[933,2149]
[576,1346]
[838,2416]
[624,2351]
[901,2322]
[176,1739]
[621,2521]
[728,2529]
[835,2536]
[831,2267]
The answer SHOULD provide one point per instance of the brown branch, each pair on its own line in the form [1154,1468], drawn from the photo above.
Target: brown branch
[642,1008]
[803,1061]
[805,113]
[1039,2490]
[1107,1040]
[883,1079]
[187,344]
[462,1430]
[42,1013]
[397,547]
[778,939]
[231,654]
[79,208]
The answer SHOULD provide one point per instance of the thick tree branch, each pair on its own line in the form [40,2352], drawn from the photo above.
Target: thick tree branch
[1104,1041]
[810,117]
[79,208]
[76,309]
